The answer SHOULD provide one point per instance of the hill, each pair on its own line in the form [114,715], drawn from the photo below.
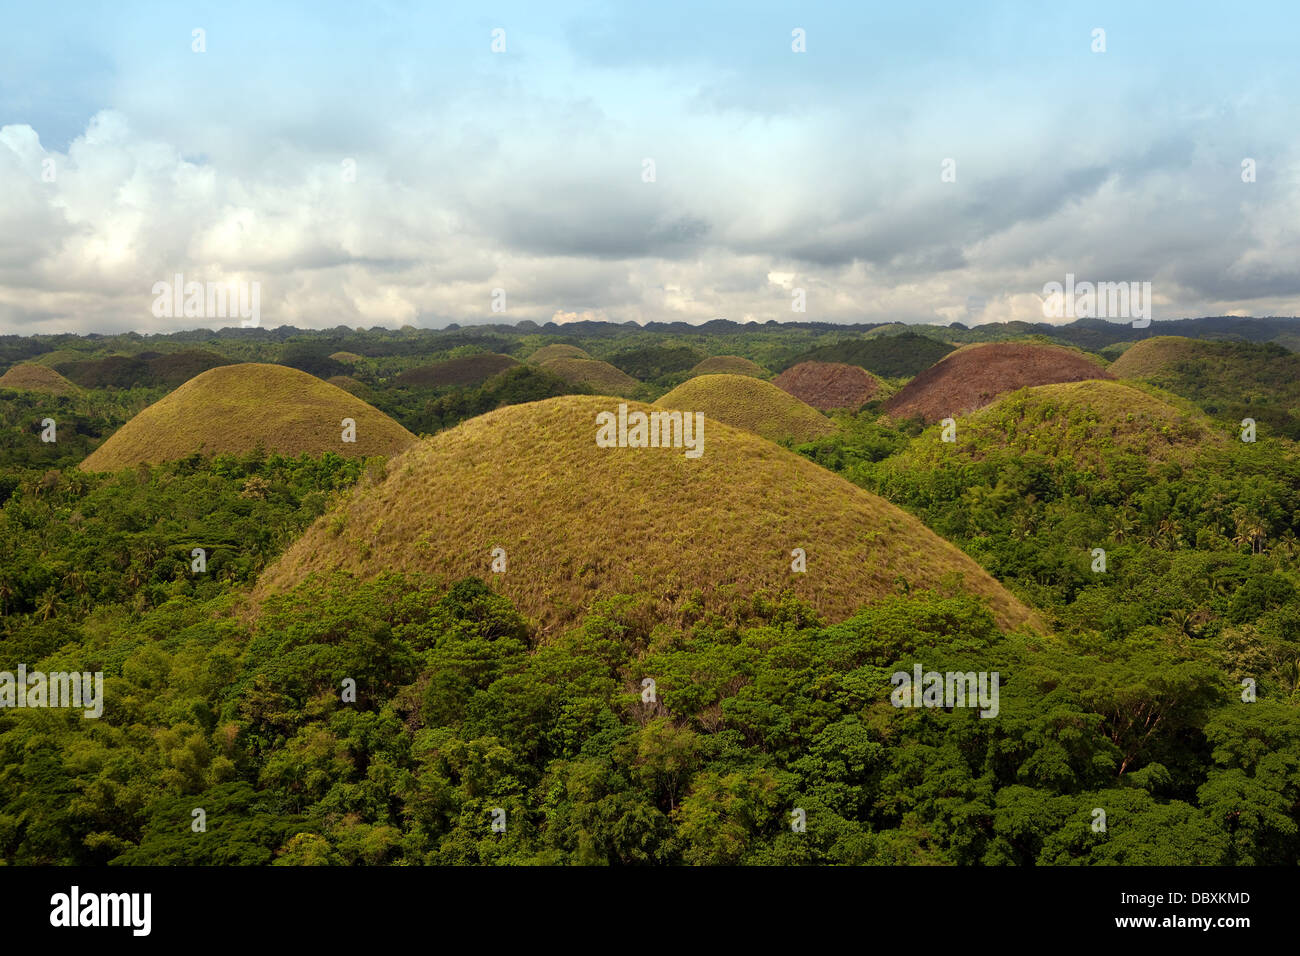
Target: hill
[466,370]
[889,356]
[579,523]
[1229,380]
[1085,422]
[601,376]
[37,378]
[650,362]
[236,408]
[548,353]
[729,365]
[347,358]
[830,385]
[177,368]
[350,384]
[749,403]
[975,375]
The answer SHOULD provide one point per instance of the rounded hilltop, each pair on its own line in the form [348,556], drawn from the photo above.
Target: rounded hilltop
[729,365]
[1083,422]
[236,408]
[580,522]
[975,375]
[37,378]
[749,403]
[549,353]
[466,370]
[601,376]
[830,385]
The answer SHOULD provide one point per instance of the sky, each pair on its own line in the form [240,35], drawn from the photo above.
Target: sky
[381,164]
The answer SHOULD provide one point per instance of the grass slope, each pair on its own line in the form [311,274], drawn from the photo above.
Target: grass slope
[1229,380]
[749,403]
[830,385]
[579,523]
[729,365]
[37,378]
[466,370]
[975,375]
[549,353]
[235,408]
[1084,422]
[599,375]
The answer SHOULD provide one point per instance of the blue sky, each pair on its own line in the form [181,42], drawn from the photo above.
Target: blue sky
[523,170]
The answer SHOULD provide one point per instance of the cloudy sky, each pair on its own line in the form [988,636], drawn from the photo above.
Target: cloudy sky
[378,163]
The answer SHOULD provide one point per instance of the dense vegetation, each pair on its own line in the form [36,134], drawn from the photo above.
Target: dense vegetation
[466,712]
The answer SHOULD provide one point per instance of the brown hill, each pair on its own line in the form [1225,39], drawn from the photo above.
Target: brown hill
[466,370]
[37,378]
[829,385]
[579,523]
[974,376]
[236,408]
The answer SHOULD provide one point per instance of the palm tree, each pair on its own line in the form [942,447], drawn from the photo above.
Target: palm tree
[49,605]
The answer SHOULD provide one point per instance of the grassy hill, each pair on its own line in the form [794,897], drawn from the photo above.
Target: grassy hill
[975,375]
[1229,380]
[600,376]
[889,356]
[466,370]
[729,365]
[37,378]
[579,523]
[350,384]
[347,358]
[1086,422]
[236,408]
[752,404]
[548,353]
[830,385]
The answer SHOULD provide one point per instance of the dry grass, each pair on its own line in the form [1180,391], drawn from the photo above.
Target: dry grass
[974,376]
[1081,421]
[579,523]
[751,404]
[599,375]
[37,378]
[235,408]
[548,353]
[347,358]
[729,365]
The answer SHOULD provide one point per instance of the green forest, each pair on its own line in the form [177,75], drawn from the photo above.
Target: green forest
[410,719]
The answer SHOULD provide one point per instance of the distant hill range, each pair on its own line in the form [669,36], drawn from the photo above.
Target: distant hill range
[653,351]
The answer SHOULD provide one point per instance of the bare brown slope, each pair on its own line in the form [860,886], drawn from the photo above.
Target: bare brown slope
[236,408]
[973,377]
[829,385]
[579,523]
